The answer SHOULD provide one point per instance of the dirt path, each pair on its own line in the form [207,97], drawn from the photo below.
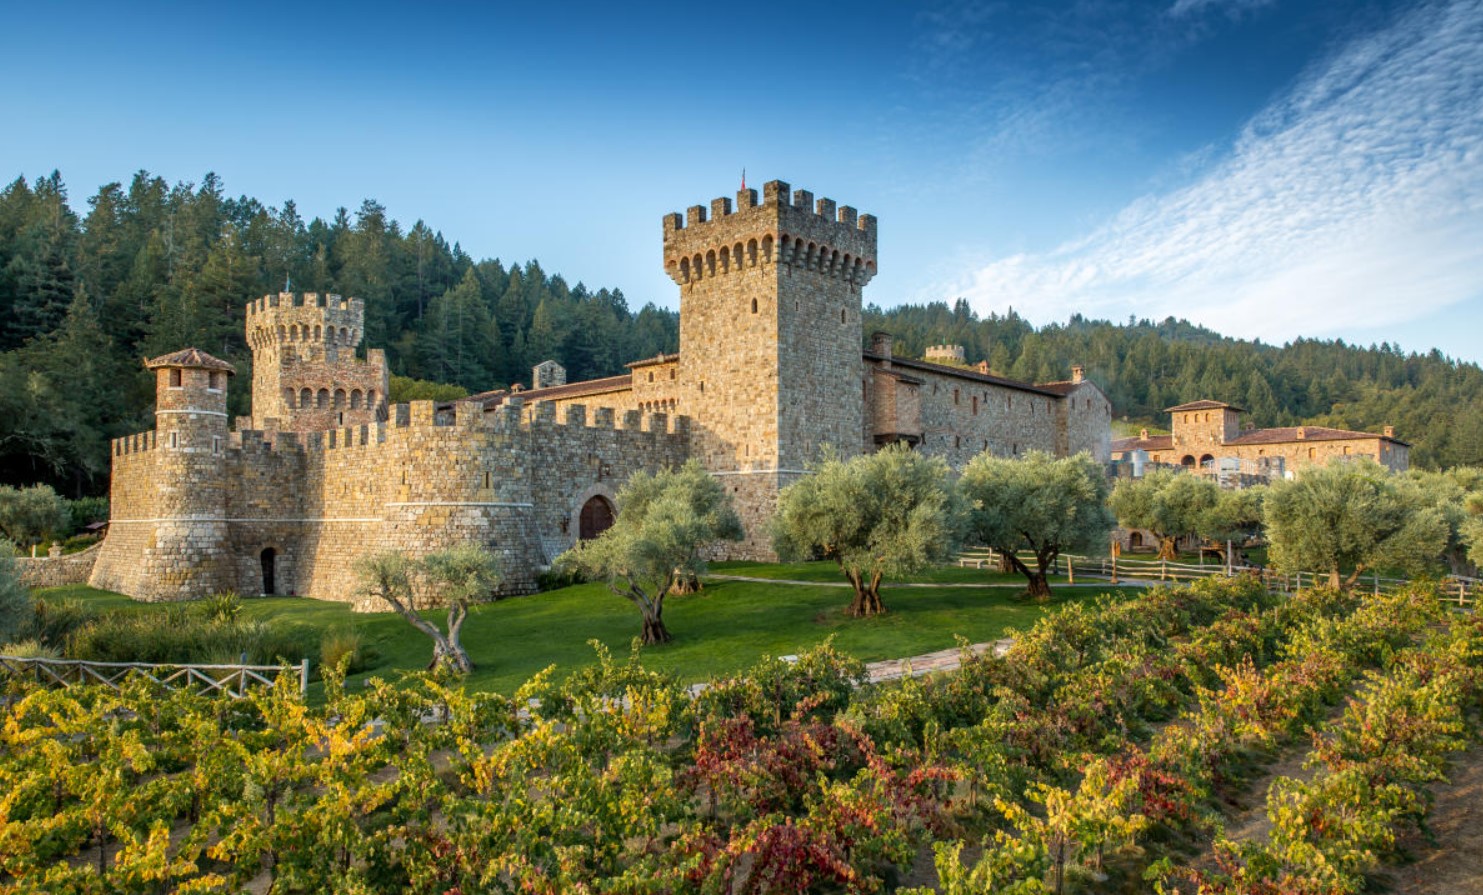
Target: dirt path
[1454,865]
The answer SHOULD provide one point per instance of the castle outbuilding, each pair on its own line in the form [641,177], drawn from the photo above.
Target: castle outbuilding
[1205,432]
[771,368]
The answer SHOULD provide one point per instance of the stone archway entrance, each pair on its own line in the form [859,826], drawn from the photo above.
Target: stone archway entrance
[596,517]
[269,560]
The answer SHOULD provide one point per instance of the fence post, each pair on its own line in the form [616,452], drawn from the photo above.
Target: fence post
[1070,571]
[1163,570]
[304,677]
[1375,577]
[1114,568]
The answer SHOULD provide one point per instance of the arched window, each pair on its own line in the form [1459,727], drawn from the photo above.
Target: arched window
[288,398]
[1207,462]
[751,253]
[355,399]
[306,398]
[1187,462]
[339,397]
[322,400]
[318,335]
[371,399]
[767,248]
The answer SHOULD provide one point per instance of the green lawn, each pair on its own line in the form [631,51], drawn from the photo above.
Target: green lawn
[829,572]
[725,628]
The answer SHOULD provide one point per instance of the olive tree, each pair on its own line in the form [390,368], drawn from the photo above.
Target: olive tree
[1048,505]
[888,513]
[1456,494]
[1235,516]
[1351,517]
[27,515]
[1167,502]
[452,579]
[665,523]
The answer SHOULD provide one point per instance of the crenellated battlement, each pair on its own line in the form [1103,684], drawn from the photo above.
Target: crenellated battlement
[794,230]
[308,318]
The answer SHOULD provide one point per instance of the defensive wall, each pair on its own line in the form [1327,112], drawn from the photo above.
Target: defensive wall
[418,482]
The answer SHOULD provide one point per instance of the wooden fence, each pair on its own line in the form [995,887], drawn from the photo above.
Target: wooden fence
[227,680]
[1454,589]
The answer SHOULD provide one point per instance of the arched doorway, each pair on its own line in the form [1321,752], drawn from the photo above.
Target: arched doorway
[1135,540]
[268,557]
[596,517]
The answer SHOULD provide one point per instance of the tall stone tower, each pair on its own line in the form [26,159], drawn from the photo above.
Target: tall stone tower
[189,555]
[770,352]
[305,373]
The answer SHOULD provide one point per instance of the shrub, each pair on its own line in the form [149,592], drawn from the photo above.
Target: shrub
[29,649]
[86,510]
[341,643]
[79,543]
[180,634]
[15,598]
[221,608]
[53,621]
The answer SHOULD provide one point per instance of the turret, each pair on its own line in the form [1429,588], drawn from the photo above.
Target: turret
[190,540]
[306,376]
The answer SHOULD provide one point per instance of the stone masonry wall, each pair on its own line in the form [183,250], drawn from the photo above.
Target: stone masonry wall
[413,484]
[306,375]
[1085,420]
[55,571]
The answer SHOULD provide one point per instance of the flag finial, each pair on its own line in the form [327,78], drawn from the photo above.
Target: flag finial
[744,178]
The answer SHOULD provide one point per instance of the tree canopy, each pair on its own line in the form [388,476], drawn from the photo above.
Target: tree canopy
[452,579]
[1350,518]
[665,522]
[1038,502]
[876,515]
[1168,502]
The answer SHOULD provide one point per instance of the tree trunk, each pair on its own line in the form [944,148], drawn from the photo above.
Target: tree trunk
[685,583]
[1334,580]
[1167,548]
[457,658]
[654,630]
[1039,586]
[867,595]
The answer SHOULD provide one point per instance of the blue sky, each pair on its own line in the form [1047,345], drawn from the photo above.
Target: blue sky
[1269,168]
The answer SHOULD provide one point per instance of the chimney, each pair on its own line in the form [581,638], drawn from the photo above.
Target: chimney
[1142,434]
[1389,431]
[880,344]
[1078,373]
[1302,432]
[983,367]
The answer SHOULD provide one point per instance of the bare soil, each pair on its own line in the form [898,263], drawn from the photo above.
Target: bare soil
[1453,864]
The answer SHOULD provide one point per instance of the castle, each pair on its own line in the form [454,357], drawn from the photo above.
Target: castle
[1208,436]
[771,367]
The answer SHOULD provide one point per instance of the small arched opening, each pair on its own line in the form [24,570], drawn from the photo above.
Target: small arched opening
[1188,461]
[597,517]
[1207,462]
[1135,540]
[269,558]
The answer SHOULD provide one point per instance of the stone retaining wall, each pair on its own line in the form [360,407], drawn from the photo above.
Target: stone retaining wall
[55,571]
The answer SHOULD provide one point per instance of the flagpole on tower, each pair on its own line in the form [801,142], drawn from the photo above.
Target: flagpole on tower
[744,179]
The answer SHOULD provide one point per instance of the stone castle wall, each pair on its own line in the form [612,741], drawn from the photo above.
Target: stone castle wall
[1085,420]
[55,571]
[415,484]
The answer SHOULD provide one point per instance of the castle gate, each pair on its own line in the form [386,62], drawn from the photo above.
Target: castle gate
[596,518]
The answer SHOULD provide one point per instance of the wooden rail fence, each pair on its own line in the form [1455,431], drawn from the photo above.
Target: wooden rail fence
[1454,589]
[227,680]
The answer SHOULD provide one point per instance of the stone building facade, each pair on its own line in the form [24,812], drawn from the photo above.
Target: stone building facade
[771,369]
[1203,433]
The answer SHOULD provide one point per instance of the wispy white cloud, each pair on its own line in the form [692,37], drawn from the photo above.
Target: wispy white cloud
[1354,201]
[1230,7]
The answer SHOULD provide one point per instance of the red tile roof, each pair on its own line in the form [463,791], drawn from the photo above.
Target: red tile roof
[194,358]
[1204,405]
[1151,443]
[1285,434]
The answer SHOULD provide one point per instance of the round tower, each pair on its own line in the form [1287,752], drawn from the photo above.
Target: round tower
[306,374]
[188,556]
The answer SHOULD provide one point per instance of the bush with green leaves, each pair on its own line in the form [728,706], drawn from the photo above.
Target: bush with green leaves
[187,634]
[16,611]
[31,515]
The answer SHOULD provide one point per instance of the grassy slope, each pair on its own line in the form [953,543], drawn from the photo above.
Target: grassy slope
[724,629]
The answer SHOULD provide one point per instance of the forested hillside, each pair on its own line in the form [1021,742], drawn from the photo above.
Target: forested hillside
[151,267]
[1434,402]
